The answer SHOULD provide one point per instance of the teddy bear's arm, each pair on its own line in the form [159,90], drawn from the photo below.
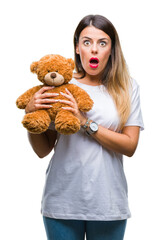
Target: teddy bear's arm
[24,99]
[85,103]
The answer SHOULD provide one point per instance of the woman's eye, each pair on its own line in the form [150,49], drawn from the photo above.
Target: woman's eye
[86,42]
[102,44]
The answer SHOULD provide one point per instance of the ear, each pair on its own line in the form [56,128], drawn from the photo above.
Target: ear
[71,62]
[77,49]
[33,67]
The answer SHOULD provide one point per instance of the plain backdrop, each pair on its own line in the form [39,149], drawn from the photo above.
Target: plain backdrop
[32,29]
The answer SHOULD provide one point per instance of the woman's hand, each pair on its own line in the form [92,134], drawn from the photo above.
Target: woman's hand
[73,106]
[41,100]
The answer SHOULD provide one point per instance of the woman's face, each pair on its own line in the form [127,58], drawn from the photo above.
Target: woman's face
[94,48]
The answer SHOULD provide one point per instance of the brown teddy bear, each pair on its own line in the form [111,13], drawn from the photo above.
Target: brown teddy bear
[54,70]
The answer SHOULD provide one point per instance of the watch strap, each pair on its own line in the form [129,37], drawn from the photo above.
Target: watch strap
[90,131]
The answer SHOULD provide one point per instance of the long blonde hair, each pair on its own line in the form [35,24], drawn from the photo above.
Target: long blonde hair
[116,75]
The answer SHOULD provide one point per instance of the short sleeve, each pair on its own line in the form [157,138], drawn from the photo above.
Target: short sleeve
[135,117]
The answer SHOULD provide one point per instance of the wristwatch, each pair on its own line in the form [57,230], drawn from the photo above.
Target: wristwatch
[93,128]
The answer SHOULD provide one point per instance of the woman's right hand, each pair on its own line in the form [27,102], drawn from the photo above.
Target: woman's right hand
[41,100]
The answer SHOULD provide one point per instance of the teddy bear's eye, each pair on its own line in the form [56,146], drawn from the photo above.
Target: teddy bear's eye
[48,71]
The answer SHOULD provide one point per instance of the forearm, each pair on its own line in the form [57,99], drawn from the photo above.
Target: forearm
[124,143]
[118,142]
[43,143]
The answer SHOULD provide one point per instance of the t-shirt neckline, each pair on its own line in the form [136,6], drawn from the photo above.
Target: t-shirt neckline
[87,85]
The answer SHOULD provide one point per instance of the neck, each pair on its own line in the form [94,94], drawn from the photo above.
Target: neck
[93,79]
[88,79]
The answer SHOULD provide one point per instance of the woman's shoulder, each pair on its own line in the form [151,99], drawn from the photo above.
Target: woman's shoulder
[134,84]
[74,81]
[74,78]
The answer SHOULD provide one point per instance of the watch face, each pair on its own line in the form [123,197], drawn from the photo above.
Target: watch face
[94,126]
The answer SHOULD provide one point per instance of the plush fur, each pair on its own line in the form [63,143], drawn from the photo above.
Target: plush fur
[54,70]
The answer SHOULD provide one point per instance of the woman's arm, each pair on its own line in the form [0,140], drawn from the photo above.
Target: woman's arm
[43,143]
[124,143]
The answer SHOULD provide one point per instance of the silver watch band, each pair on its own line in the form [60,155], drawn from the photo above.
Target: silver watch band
[92,128]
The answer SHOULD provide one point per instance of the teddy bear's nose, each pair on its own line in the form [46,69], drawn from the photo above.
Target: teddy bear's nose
[53,75]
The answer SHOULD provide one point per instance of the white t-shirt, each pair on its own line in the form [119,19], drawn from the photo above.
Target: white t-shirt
[85,181]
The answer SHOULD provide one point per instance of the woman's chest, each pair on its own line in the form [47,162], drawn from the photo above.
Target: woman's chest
[104,111]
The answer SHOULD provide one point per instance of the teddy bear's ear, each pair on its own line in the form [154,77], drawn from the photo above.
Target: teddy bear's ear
[33,67]
[71,62]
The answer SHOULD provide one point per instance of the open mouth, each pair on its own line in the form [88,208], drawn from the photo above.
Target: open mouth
[93,62]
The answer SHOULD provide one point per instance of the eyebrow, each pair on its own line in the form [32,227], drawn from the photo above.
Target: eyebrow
[98,39]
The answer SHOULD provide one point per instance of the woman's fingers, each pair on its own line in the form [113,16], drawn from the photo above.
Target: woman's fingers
[73,107]
[72,102]
[44,103]
[45,95]
[70,109]
[42,93]
[43,89]
[45,100]
[42,100]
[39,100]
[41,106]
[67,91]
[66,102]
[68,95]
[48,95]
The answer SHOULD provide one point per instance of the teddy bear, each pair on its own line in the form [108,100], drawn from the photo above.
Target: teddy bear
[54,70]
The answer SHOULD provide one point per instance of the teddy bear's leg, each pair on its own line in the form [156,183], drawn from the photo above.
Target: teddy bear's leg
[66,123]
[36,122]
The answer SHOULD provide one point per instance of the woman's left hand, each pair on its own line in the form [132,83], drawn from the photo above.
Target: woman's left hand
[73,106]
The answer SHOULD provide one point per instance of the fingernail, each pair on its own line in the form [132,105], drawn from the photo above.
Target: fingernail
[61,93]
[56,94]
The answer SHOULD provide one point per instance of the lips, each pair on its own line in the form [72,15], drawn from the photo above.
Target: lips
[93,62]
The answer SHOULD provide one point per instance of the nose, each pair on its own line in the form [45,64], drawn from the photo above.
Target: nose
[94,48]
[53,75]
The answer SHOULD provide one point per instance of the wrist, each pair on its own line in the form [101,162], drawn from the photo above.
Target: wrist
[83,121]
[86,123]
[90,127]
[27,110]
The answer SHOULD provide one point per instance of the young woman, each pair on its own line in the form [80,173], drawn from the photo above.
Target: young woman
[86,189]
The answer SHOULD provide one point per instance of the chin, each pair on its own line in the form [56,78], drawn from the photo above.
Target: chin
[93,72]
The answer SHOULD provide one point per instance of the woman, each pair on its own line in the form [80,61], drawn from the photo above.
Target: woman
[86,189]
